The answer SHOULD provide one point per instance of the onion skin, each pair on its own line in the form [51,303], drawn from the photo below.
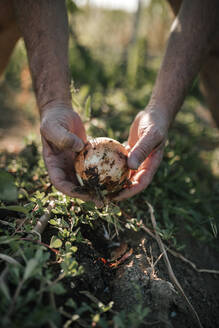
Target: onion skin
[102,165]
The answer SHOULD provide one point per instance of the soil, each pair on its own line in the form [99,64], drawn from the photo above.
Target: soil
[139,279]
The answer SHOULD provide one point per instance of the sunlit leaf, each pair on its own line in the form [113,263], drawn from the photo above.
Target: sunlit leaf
[53,222]
[75,102]
[55,242]
[96,317]
[88,108]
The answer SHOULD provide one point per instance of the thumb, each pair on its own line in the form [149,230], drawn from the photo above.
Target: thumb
[143,147]
[61,137]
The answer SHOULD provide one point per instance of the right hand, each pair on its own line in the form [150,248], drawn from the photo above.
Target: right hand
[63,135]
[146,143]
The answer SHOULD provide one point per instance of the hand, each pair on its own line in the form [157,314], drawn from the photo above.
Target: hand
[146,142]
[63,135]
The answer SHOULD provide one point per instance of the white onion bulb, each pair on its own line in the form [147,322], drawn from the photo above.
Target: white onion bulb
[102,164]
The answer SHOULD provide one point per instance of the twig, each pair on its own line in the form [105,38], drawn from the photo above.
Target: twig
[73,318]
[157,260]
[51,324]
[19,226]
[174,253]
[193,265]
[43,221]
[16,294]
[180,256]
[95,299]
[169,268]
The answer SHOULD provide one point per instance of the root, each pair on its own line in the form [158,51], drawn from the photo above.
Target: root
[169,268]
[174,253]
[180,256]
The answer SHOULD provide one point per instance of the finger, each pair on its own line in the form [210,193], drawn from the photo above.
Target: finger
[145,145]
[133,133]
[58,179]
[61,137]
[143,178]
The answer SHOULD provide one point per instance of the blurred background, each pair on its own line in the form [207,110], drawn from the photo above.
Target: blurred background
[115,50]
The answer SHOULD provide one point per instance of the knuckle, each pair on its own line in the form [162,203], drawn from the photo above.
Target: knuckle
[158,133]
[63,141]
[152,130]
[43,126]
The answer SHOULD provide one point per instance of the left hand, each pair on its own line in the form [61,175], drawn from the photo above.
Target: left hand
[63,135]
[146,143]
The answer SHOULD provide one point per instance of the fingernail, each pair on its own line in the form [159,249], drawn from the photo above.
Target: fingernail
[133,163]
[79,147]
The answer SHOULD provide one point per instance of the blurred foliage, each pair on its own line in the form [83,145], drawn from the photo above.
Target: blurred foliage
[184,192]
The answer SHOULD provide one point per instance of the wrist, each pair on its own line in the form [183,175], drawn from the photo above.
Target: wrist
[159,115]
[53,105]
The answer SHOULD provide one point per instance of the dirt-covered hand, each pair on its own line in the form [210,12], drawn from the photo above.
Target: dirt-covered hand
[63,135]
[146,142]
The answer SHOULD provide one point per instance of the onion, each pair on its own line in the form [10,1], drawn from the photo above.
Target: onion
[102,166]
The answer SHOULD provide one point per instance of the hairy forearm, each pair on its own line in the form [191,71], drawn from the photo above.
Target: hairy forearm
[192,33]
[44,27]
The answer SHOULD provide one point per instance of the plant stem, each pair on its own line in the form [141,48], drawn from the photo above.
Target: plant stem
[14,300]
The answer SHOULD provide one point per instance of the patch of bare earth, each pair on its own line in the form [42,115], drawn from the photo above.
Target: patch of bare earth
[141,277]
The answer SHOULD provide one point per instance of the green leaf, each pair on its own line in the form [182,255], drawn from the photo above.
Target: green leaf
[8,190]
[53,222]
[74,249]
[7,240]
[71,6]
[6,223]
[57,289]
[71,303]
[55,242]
[5,290]
[15,208]
[96,318]
[30,267]
[88,107]
[9,259]
[75,103]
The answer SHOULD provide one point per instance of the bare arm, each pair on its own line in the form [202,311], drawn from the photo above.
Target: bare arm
[44,27]
[9,32]
[192,34]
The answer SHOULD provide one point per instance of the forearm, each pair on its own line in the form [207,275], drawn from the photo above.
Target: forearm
[191,36]
[44,27]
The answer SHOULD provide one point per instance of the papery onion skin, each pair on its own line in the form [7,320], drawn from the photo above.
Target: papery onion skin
[102,164]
